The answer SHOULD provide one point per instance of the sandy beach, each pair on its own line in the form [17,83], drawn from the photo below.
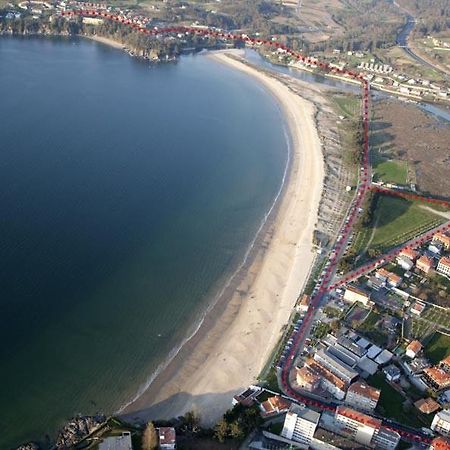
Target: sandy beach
[104,40]
[233,344]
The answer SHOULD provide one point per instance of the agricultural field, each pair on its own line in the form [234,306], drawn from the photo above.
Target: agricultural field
[420,329]
[438,316]
[438,347]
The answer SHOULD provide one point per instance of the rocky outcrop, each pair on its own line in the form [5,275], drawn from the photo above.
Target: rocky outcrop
[77,429]
[29,446]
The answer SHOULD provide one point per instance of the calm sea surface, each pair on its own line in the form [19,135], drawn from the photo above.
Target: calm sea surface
[127,195]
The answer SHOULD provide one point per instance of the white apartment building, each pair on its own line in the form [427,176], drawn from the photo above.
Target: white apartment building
[300,425]
[365,429]
[362,396]
[444,266]
[441,422]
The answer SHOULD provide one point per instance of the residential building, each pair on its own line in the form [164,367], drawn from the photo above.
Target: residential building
[391,323]
[409,253]
[384,357]
[349,344]
[392,373]
[92,20]
[390,278]
[247,397]
[441,422]
[362,396]
[353,294]
[435,247]
[303,304]
[427,405]
[339,368]
[365,429]
[440,443]
[394,280]
[444,266]
[307,379]
[386,439]
[328,380]
[436,378]
[445,364]
[368,366]
[373,351]
[405,263]
[382,274]
[413,349]
[376,283]
[300,425]
[417,308]
[122,442]
[424,263]
[444,239]
[167,438]
[274,405]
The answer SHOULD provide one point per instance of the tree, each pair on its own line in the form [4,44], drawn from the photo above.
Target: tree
[236,431]
[149,438]
[221,430]
[192,421]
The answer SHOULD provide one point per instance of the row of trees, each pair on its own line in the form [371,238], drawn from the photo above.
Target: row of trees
[141,44]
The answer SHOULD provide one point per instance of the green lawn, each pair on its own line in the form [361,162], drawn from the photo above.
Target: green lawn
[398,220]
[438,347]
[391,402]
[391,171]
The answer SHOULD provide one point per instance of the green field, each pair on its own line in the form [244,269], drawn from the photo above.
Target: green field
[391,402]
[395,221]
[438,347]
[391,171]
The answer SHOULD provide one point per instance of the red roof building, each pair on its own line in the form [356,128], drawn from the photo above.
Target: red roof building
[409,253]
[424,264]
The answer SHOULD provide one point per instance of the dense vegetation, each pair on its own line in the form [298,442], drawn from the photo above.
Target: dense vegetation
[434,15]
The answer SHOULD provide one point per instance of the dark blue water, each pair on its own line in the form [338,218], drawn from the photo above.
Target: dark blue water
[128,195]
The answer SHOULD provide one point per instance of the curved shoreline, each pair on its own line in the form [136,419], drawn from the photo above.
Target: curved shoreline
[237,333]
[231,283]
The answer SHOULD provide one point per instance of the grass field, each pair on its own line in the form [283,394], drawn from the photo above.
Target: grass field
[395,220]
[438,347]
[391,171]
[391,402]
